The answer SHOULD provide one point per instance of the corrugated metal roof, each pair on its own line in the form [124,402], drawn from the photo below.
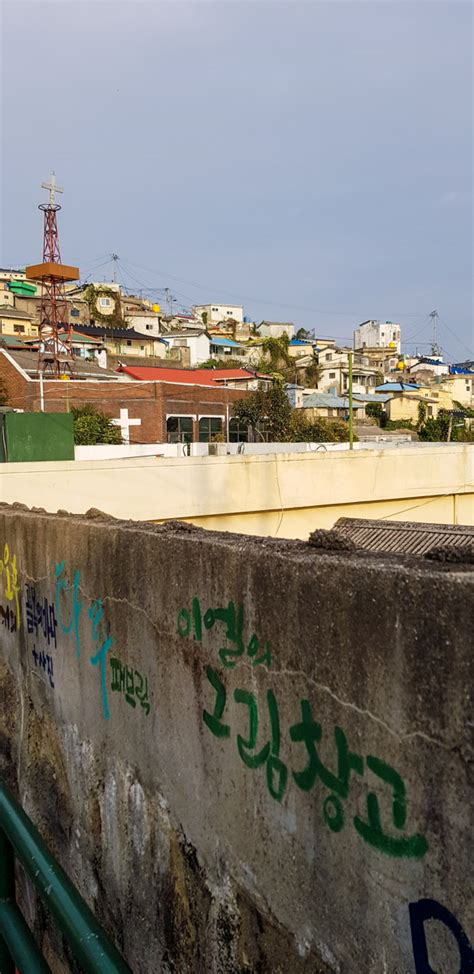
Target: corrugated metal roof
[397,387]
[327,401]
[367,397]
[403,537]
[225,342]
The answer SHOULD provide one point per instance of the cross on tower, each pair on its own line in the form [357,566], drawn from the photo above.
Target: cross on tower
[53,189]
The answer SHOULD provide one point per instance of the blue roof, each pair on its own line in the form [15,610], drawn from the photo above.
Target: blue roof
[367,397]
[300,341]
[397,387]
[226,342]
[458,370]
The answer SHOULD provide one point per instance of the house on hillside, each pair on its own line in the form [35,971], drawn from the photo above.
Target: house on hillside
[323,405]
[16,322]
[334,373]
[214,314]
[275,329]
[222,347]
[190,346]
[433,366]
[123,341]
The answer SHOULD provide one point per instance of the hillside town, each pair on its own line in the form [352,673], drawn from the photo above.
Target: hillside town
[126,355]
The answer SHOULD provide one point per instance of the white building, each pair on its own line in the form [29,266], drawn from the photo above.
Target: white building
[335,373]
[191,347]
[215,313]
[378,334]
[147,324]
[434,365]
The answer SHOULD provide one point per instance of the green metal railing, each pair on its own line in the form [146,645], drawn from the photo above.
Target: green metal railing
[90,946]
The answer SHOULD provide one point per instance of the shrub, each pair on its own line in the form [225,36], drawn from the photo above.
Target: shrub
[93,426]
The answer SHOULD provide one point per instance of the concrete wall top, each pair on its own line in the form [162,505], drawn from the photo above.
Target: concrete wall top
[250,755]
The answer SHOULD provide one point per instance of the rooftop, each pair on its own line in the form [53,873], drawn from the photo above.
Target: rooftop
[277,324]
[26,361]
[227,342]
[8,312]
[326,401]
[201,377]
[107,331]
[405,537]
[397,387]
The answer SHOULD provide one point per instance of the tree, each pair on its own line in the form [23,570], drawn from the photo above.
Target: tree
[270,411]
[445,425]
[312,373]
[318,430]
[267,409]
[93,426]
[374,411]
[303,335]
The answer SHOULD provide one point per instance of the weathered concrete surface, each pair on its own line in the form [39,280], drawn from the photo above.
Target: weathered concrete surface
[194,860]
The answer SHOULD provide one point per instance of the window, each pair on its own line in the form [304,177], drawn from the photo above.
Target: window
[142,348]
[179,429]
[237,433]
[75,313]
[209,427]
[328,357]
[104,302]
[430,410]
[19,329]
[129,343]
[180,343]
[332,375]
[214,309]
[394,336]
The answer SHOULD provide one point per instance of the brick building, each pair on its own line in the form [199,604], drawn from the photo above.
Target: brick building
[156,411]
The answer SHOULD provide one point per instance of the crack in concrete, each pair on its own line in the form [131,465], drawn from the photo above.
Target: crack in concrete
[362,711]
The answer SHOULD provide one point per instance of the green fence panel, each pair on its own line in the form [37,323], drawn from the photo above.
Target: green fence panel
[31,437]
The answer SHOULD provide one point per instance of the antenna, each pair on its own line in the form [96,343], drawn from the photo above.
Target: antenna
[115,258]
[434,338]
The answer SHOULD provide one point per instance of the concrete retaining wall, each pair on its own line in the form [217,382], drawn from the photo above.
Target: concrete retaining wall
[285,495]
[251,756]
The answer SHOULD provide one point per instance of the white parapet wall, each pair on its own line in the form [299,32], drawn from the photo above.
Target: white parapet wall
[279,494]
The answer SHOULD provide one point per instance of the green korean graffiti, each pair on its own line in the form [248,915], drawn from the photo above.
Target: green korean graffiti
[191,623]
[307,733]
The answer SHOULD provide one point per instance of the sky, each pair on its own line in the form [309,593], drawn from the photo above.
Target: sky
[312,161]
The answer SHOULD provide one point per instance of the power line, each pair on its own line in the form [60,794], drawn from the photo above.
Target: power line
[246,297]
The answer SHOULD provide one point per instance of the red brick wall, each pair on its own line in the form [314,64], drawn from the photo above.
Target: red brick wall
[148,401]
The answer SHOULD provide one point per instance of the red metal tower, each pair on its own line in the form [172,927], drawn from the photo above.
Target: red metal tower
[55,348]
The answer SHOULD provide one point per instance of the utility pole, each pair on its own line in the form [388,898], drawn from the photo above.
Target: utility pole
[434,338]
[169,301]
[351,431]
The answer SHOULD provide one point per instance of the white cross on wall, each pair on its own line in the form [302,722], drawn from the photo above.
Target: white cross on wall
[53,189]
[125,423]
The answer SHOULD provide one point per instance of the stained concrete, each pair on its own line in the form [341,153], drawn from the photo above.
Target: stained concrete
[193,860]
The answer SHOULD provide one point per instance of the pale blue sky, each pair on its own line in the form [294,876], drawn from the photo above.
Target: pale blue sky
[311,160]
